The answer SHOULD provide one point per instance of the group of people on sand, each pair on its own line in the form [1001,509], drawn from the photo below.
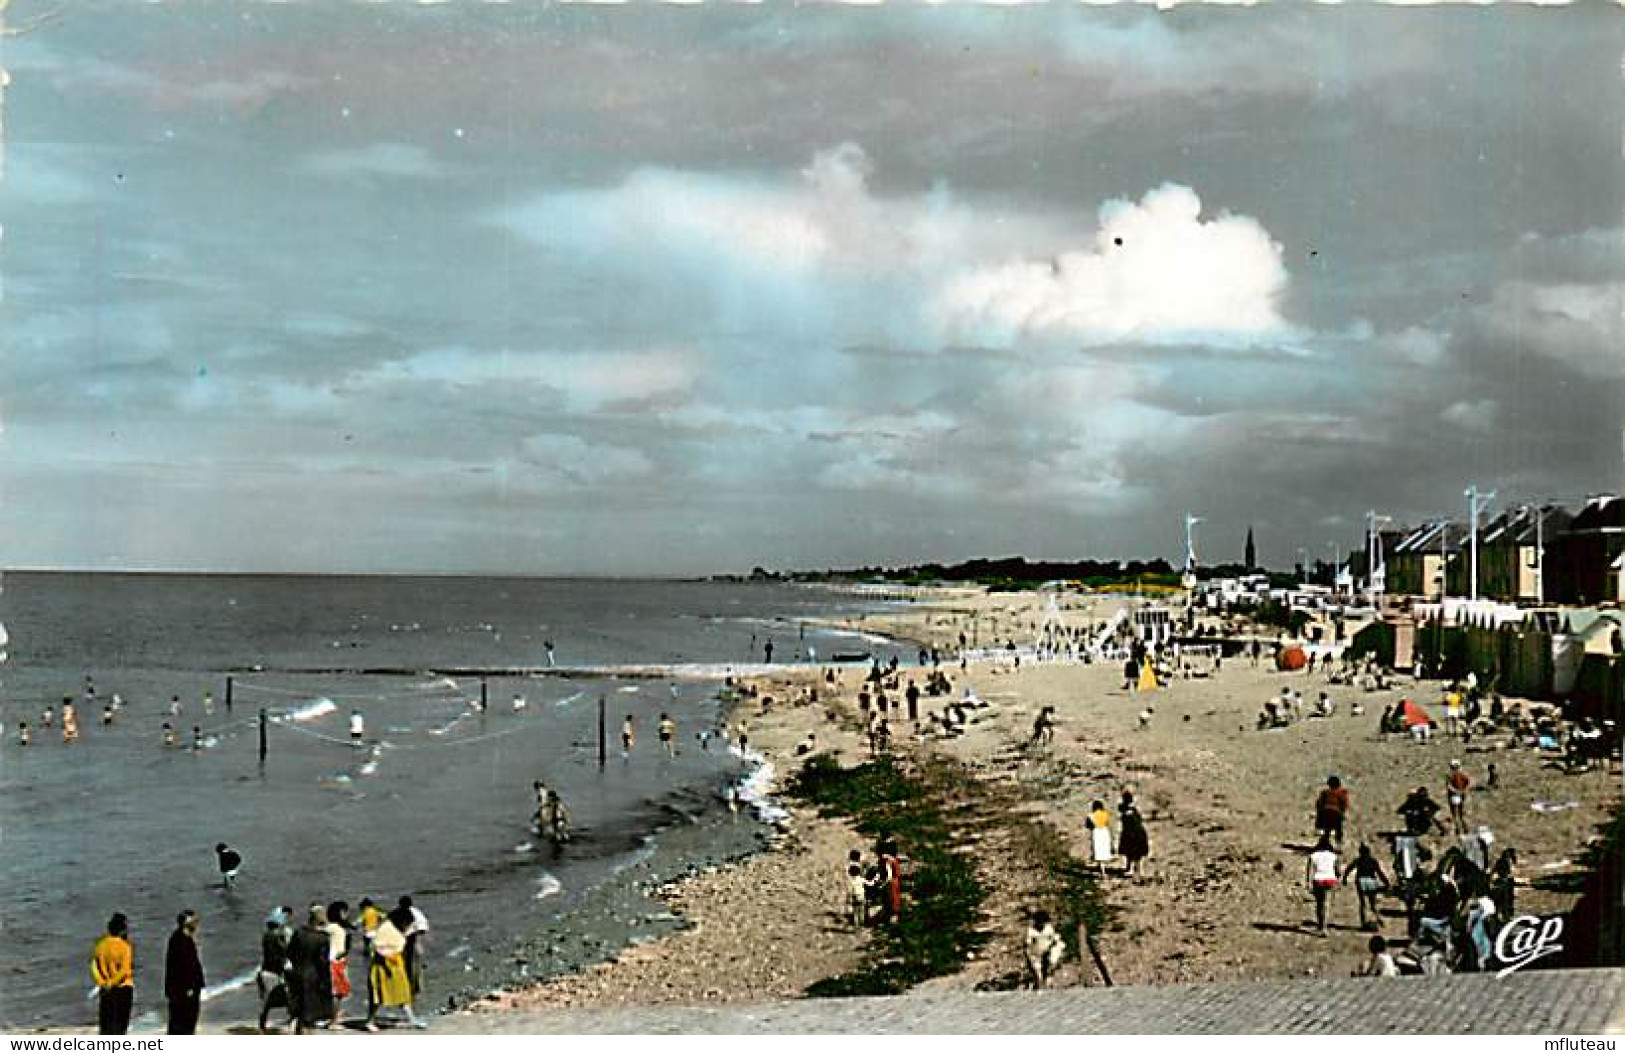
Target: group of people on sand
[1133,842]
[1457,907]
[874,888]
[303,968]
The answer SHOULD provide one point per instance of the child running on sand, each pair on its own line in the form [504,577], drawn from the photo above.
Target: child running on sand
[1369,879]
[1322,875]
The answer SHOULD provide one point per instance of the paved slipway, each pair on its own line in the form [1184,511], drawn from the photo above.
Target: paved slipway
[1590,1001]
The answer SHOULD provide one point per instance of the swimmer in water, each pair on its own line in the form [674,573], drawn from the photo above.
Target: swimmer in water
[47,718]
[628,736]
[668,735]
[169,734]
[518,703]
[22,733]
[208,703]
[174,705]
[358,727]
[197,738]
[230,863]
[107,715]
[70,722]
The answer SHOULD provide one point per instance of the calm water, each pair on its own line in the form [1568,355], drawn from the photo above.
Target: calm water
[436,805]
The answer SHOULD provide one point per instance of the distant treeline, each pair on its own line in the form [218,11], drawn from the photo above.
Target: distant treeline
[1014,572]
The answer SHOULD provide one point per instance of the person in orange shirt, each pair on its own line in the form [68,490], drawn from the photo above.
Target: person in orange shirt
[1456,788]
[112,968]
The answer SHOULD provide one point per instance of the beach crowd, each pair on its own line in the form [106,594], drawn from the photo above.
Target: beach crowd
[304,966]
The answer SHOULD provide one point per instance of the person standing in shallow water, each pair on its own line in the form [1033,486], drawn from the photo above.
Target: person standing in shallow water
[183,975]
[112,967]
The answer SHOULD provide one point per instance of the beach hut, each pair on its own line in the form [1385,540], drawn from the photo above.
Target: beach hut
[1290,659]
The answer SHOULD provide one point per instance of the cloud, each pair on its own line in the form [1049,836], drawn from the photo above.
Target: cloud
[570,460]
[1478,415]
[819,256]
[1156,272]
[384,160]
[1577,325]
[586,381]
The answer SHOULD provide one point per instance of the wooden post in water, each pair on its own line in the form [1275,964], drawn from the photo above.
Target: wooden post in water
[602,755]
[263,723]
[483,699]
[228,694]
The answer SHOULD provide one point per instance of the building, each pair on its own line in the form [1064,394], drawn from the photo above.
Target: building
[1509,559]
[1356,563]
[1584,563]
[1417,563]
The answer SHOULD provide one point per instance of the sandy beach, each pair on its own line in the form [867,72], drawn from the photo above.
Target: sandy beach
[1223,896]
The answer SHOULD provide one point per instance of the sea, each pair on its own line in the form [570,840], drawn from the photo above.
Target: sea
[434,803]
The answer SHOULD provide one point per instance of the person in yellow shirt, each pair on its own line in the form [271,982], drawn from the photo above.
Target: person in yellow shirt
[1099,824]
[112,968]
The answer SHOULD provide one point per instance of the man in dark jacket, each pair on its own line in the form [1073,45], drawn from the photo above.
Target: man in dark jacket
[1420,812]
[310,973]
[183,975]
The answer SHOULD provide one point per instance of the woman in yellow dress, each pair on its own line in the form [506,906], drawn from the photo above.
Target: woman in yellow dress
[387,979]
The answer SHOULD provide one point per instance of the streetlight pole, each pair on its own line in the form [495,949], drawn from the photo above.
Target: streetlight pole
[1373,549]
[1190,549]
[1475,505]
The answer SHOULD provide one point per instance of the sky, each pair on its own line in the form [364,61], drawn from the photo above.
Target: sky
[684,289]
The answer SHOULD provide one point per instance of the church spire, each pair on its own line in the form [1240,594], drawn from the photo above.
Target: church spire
[1250,557]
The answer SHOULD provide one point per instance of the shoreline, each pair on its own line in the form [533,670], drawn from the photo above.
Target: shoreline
[1227,867]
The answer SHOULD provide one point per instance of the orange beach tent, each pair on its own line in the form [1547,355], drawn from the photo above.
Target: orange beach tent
[1414,715]
[1291,659]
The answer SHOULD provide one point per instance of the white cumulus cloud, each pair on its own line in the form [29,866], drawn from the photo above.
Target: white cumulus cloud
[1157,271]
